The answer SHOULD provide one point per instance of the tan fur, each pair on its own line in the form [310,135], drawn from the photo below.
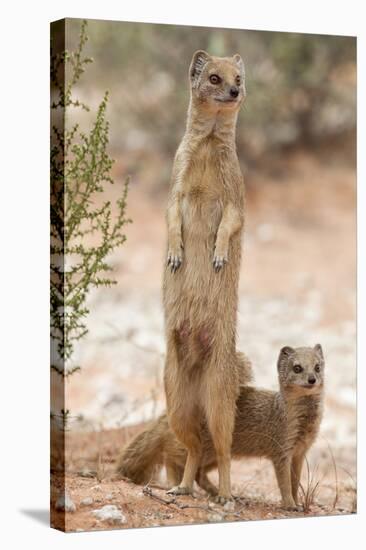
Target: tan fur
[145,454]
[280,426]
[205,216]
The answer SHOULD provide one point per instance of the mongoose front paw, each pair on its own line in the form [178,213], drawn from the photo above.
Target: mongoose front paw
[178,490]
[219,261]
[175,259]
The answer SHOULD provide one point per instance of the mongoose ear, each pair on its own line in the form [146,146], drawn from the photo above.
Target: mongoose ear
[284,354]
[199,60]
[238,60]
[319,350]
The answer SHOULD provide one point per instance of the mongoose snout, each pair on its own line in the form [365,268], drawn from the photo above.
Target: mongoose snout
[234,92]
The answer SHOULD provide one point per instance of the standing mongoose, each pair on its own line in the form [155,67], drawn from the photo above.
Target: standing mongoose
[205,216]
[280,426]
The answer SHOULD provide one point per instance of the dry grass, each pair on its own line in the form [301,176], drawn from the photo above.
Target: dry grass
[310,490]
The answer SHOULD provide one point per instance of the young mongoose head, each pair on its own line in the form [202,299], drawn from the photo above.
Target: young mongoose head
[301,370]
[217,83]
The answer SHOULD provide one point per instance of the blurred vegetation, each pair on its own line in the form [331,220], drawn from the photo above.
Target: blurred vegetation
[85,228]
[301,87]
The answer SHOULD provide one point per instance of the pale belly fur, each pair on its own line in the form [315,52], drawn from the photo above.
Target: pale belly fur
[196,294]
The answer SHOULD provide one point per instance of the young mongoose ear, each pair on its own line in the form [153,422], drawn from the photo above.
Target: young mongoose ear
[238,60]
[284,355]
[199,60]
[319,350]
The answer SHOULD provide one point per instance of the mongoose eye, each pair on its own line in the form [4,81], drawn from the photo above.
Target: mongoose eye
[317,367]
[238,81]
[297,369]
[215,79]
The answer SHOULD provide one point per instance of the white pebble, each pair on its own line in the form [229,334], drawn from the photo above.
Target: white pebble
[87,501]
[214,518]
[229,506]
[111,513]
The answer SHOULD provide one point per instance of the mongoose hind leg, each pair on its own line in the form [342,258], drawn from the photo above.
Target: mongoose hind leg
[219,407]
[190,438]
[184,416]
[185,422]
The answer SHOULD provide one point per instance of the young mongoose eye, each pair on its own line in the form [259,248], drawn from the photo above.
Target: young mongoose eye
[297,369]
[215,79]
[317,367]
[237,80]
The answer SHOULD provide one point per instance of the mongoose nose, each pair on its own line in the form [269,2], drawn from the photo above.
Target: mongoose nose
[311,379]
[234,92]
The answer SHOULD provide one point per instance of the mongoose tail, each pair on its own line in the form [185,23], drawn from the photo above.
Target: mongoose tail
[144,454]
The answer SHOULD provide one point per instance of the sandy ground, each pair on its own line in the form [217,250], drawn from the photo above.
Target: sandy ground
[91,484]
[297,287]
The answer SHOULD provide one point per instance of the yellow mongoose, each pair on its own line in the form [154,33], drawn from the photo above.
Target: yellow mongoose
[205,216]
[280,426]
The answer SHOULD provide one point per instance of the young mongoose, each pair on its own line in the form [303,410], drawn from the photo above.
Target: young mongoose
[205,216]
[279,425]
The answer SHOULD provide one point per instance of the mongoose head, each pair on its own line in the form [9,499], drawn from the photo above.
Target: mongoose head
[301,370]
[217,83]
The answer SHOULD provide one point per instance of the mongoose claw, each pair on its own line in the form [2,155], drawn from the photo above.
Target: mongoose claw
[174,261]
[178,490]
[219,262]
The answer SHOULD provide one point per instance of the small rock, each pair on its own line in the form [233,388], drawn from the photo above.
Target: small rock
[87,501]
[109,496]
[65,503]
[110,513]
[229,506]
[212,505]
[214,518]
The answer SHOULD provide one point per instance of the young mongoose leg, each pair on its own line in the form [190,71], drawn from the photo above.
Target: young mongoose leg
[175,244]
[297,463]
[205,484]
[230,223]
[283,474]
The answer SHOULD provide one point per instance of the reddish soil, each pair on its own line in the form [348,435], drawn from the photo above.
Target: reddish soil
[91,460]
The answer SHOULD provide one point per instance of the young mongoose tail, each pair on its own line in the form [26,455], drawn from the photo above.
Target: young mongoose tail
[280,426]
[205,216]
[146,453]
